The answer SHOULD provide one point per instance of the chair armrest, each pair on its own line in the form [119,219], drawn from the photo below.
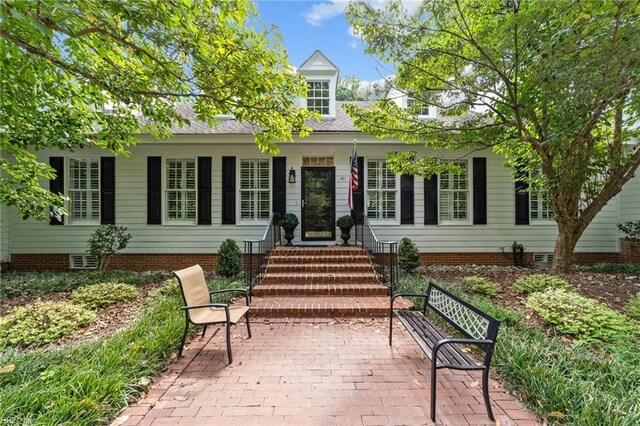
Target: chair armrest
[207,305]
[229,290]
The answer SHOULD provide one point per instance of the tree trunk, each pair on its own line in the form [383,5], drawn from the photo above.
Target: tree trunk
[563,251]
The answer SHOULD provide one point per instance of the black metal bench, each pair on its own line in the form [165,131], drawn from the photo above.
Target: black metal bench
[444,351]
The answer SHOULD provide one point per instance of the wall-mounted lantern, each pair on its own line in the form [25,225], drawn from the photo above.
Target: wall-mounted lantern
[292,176]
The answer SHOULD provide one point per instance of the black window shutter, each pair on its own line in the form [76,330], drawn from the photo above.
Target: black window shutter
[358,194]
[57,185]
[279,190]
[431,200]
[522,198]
[479,191]
[154,190]
[204,190]
[107,190]
[406,199]
[229,190]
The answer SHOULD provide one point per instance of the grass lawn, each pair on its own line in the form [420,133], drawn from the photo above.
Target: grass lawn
[87,383]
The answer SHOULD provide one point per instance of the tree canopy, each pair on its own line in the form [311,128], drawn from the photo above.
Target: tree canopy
[93,73]
[351,88]
[553,86]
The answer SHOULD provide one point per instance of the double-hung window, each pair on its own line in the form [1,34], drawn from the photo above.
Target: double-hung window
[382,191]
[255,197]
[180,190]
[454,194]
[318,96]
[540,208]
[424,108]
[84,190]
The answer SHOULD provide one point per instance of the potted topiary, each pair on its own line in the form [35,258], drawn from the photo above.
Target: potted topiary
[288,222]
[630,245]
[345,223]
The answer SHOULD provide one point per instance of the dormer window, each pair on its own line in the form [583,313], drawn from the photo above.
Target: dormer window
[424,109]
[318,96]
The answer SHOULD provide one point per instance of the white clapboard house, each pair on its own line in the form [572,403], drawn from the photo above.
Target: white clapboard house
[181,198]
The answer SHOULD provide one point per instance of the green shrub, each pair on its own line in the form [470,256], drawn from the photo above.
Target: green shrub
[630,229]
[408,256]
[103,294]
[229,259]
[42,322]
[633,307]
[289,220]
[539,282]
[14,284]
[481,286]
[345,221]
[618,268]
[586,318]
[106,241]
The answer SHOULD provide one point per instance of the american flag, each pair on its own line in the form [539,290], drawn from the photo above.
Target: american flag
[353,178]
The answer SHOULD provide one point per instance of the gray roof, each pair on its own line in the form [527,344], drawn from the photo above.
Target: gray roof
[341,123]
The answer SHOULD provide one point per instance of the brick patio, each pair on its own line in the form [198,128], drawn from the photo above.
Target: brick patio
[315,372]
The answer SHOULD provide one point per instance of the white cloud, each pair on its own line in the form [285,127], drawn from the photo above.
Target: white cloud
[353,44]
[320,12]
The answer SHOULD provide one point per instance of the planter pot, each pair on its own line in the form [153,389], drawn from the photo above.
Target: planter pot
[346,234]
[288,234]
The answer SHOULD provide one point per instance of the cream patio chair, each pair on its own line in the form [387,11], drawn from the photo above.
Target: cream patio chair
[200,310]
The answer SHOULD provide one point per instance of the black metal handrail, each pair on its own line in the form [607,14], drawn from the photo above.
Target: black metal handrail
[257,252]
[383,254]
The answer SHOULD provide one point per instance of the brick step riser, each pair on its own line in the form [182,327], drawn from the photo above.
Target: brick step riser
[319,252]
[319,259]
[270,279]
[318,313]
[320,292]
[314,268]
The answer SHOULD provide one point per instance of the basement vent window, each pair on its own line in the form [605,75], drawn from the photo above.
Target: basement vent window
[83,261]
[543,258]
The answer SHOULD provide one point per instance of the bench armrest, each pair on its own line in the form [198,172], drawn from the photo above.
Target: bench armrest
[230,290]
[425,296]
[440,343]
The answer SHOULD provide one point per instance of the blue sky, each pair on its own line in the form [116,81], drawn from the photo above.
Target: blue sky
[310,25]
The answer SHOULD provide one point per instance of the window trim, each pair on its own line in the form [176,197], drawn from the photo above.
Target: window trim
[394,221]
[165,219]
[539,221]
[329,97]
[67,186]
[469,220]
[432,111]
[254,222]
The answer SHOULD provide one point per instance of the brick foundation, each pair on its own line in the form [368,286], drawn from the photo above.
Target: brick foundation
[471,258]
[134,262]
[629,250]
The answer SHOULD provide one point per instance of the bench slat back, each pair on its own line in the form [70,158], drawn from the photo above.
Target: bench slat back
[466,318]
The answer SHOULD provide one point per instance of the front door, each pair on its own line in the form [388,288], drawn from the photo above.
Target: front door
[318,204]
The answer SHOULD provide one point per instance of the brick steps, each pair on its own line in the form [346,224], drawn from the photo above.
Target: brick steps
[320,282]
[334,289]
[319,277]
[332,259]
[343,306]
[320,267]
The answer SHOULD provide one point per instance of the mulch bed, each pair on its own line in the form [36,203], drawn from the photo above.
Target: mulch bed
[612,289]
[108,320]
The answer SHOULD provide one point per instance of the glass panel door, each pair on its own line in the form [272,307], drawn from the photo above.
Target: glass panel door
[318,204]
